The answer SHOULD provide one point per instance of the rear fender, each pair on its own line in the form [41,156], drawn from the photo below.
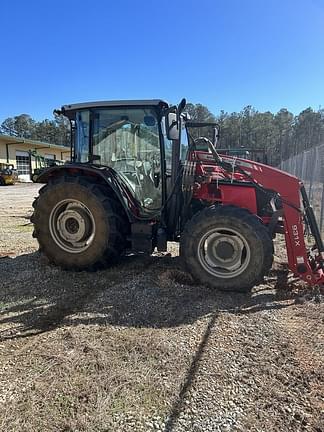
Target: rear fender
[100,175]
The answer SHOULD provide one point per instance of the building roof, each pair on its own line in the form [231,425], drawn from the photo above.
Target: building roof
[8,139]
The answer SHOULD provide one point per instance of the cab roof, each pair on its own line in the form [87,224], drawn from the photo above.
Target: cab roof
[70,110]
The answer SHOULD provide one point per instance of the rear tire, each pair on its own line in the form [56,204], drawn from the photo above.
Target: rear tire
[226,248]
[77,225]
[2,182]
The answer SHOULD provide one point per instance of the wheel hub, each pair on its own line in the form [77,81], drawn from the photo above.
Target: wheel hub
[72,226]
[224,252]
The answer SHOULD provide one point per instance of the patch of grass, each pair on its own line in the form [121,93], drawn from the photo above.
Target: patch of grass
[81,378]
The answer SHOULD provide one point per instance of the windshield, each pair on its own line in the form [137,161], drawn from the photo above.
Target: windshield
[128,141]
[120,134]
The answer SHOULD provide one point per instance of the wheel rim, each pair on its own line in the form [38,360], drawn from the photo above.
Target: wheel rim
[72,226]
[224,252]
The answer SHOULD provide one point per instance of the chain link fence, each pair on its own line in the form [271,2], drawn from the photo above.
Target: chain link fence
[309,167]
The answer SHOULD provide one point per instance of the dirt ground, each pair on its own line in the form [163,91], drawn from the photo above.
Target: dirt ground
[140,347]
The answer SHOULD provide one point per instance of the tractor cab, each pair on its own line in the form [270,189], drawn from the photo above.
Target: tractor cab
[132,140]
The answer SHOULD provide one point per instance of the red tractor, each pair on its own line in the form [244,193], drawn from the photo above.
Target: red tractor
[138,179]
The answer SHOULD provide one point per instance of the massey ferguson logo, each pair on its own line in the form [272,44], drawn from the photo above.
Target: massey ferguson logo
[295,235]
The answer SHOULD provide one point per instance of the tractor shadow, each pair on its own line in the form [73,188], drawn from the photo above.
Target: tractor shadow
[141,291]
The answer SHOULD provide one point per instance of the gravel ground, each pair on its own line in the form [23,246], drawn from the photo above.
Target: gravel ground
[140,347]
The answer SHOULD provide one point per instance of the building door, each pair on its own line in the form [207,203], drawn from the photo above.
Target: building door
[23,163]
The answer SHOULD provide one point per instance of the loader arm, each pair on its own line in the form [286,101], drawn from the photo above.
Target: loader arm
[307,264]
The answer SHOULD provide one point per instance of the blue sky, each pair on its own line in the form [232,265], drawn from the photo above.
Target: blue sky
[223,54]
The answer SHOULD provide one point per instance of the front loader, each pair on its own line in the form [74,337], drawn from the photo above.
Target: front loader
[142,174]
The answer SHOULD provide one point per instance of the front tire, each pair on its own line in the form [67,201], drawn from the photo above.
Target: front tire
[227,248]
[77,225]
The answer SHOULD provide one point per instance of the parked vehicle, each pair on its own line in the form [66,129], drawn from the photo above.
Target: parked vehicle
[8,175]
[139,179]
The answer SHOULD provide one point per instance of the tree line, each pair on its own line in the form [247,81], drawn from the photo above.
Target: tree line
[281,135]
[56,131]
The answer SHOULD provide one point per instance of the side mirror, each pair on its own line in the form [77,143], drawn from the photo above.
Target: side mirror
[172,126]
[173,120]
